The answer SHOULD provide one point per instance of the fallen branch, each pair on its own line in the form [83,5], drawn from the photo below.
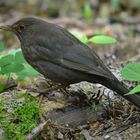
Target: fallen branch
[36,131]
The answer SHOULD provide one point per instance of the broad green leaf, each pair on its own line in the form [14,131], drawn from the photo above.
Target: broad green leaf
[1,46]
[84,39]
[131,72]
[19,57]
[1,87]
[5,60]
[12,68]
[102,39]
[14,51]
[134,90]
[28,71]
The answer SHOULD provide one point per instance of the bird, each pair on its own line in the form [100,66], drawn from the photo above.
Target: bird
[60,56]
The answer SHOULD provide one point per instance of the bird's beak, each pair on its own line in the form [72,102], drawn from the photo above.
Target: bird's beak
[6,27]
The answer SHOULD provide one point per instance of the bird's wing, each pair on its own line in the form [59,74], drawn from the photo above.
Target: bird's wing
[85,59]
[62,48]
[76,58]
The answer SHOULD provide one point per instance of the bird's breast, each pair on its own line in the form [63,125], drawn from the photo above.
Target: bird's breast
[29,54]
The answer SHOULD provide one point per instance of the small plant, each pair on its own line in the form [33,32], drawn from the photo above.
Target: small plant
[131,72]
[14,63]
[98,39]
[87,11]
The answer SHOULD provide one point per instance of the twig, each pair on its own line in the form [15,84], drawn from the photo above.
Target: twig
[36,131]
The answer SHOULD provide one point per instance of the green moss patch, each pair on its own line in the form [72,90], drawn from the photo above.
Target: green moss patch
[18,117]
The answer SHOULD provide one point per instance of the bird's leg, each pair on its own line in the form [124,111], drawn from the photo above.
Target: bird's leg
[43,87]
[64,90]
[50,89]
[97,98]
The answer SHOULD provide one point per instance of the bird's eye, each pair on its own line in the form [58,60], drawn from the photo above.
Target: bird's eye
[21,27]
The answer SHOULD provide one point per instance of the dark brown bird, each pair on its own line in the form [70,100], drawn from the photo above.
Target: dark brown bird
[59,56]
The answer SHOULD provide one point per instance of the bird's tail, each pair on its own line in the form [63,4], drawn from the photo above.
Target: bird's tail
[121,89]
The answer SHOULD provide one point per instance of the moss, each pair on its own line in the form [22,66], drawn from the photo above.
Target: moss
[22,119]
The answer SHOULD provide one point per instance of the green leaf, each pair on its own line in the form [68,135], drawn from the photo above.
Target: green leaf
[134,90]
[131,72]
[87,11]
[102,39]
[5,60]
[13,67]
[27,72]
[84,39]
[14,51]
[19,57]
[1,87]
[1,46]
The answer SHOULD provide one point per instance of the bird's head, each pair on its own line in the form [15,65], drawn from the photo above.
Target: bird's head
[24,28]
